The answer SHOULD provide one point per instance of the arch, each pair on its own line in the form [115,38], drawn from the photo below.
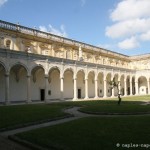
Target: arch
[80,83]
[36,67]
[18,82]
[127,80]
[68,75]
[68,68]
[122,88]
[21,64]
[54,68]
[4,66]
[108,73]
[100,79]
[142,85]
[80,70]
[108,87]
[91,84]
[91,71]
[2,81]
[54,82]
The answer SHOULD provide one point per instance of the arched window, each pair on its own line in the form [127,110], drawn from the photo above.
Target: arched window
[8,43]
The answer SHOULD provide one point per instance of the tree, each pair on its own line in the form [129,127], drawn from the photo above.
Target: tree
[114,84]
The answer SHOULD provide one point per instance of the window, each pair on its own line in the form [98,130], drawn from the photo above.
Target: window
[8,42]
[49,92]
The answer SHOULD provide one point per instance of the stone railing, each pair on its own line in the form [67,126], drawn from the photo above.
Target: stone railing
[35,32]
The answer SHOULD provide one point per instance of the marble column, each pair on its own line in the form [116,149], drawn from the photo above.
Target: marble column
[136,88]
[125,87]
[86,88]
[7,89]
[148,86]
[105,88]
[29,89]
[46,88]
[131,87]
[62,88]
[75,89]
[96,90]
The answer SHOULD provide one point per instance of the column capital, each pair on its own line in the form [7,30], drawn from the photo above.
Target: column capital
[86,78]
[6,74]
[28,76]
[46,76]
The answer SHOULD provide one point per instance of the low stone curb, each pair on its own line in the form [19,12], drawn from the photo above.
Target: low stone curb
[105,113]
[36,122]
[25,143]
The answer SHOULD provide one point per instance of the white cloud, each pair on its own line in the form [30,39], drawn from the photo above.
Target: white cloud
[145,36]
[2,2]
[128,28]
[51,29]
[131,18]
[130,9]
[129,43]
[43,28]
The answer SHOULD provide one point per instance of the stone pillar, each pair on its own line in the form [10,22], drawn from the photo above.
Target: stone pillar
[62,88]
[46,88]
[29,89]
[113,89]
[86,88]
[105,88]
[131,86]
[7,89]
[96,90]
[75,89]
[125,87]
[136,88]
[148,86]
[119,87]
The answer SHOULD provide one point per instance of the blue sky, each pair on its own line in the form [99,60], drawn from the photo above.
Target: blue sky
[119,25]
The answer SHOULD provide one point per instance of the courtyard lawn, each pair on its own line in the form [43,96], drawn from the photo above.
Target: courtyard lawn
[93,133]
[18,115]
[137,98]
[106,107]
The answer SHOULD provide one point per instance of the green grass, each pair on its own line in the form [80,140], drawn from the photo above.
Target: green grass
[113,107]
[14,116]
[137,98]
[21,114]
[93,133]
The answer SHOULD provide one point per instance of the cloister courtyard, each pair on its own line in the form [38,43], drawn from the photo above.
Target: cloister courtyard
[92,124]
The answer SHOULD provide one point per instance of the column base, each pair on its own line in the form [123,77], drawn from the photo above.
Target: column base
[74,99]
[104,96]
[46,100]
[86,98]
[96,97]
[28,101]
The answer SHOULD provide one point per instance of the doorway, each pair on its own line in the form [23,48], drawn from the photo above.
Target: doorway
[79,93]
[42,94]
